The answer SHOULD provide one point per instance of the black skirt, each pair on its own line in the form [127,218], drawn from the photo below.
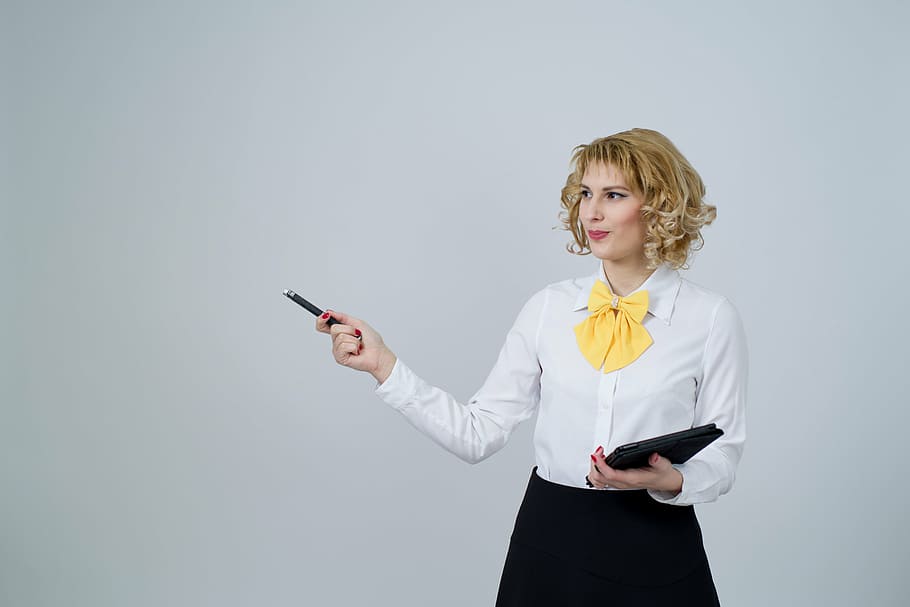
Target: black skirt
[573,546]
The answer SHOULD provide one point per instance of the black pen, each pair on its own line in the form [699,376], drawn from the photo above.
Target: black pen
[316,311]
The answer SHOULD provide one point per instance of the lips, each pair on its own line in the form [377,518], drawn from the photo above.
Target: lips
[597,234]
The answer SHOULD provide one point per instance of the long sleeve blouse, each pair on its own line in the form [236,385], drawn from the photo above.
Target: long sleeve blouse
[695,372]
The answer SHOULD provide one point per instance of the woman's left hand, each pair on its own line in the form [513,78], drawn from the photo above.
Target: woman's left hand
[659,475]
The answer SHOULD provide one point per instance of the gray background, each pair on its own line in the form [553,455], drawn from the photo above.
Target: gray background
[174,431]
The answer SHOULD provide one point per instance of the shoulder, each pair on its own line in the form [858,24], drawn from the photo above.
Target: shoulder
[695,295]
[559,295]
[712,309]
[567,289]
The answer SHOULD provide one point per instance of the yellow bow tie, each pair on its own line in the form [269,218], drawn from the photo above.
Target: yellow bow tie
[613,335]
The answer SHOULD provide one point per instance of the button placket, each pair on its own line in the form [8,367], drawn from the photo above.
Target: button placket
[604,421]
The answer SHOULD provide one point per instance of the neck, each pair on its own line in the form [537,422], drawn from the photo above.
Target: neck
[624,277]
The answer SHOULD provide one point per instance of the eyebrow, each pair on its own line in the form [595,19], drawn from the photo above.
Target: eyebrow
[609,187]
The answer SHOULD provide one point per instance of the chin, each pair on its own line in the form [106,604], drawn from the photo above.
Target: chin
[602,252]
[609,255]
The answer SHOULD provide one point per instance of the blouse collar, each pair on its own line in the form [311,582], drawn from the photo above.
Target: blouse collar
[662,286]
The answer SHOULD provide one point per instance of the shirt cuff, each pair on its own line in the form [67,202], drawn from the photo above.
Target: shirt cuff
[399,387]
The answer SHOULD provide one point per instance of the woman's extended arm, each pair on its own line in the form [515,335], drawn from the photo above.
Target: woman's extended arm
[474,430]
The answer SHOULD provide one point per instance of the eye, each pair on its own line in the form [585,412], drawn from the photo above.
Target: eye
[587,194]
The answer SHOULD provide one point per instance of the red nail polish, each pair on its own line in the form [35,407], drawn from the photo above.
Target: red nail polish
[326,315]
[357,332]
[593,459]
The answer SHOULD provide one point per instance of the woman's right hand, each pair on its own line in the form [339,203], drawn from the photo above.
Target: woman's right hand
[365,353]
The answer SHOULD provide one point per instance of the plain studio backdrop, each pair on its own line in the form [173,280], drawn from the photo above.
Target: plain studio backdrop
[175,432]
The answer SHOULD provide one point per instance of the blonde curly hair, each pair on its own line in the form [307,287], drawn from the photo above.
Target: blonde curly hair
[672,193]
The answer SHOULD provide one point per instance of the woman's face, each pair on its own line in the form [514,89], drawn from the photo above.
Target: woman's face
[608,205]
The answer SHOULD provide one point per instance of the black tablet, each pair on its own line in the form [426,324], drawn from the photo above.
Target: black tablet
[676,447]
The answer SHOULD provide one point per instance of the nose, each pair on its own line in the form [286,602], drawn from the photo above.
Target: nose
[590,213]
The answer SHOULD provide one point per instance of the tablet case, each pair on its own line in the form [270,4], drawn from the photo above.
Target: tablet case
[677,447]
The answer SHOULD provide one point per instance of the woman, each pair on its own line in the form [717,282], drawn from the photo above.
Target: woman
[629,352]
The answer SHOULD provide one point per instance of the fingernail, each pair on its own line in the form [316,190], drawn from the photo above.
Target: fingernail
[600,449]
[326,315]
[593,459]
[357,332]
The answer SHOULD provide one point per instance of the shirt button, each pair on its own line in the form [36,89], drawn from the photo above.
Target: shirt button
[615,302]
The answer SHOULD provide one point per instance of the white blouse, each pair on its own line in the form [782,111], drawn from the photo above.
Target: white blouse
[695,372]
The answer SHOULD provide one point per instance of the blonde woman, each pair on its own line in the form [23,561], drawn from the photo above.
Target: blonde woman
[629,352]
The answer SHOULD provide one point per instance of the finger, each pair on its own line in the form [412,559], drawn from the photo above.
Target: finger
[342,329]
[346,341]
[345,319]
[345,347]
[594,467]
[602,464]
[635,477]
[589,482]
[341,320]
[594,475]
[621,479]
[596,482]
[345,323]
[322,322]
